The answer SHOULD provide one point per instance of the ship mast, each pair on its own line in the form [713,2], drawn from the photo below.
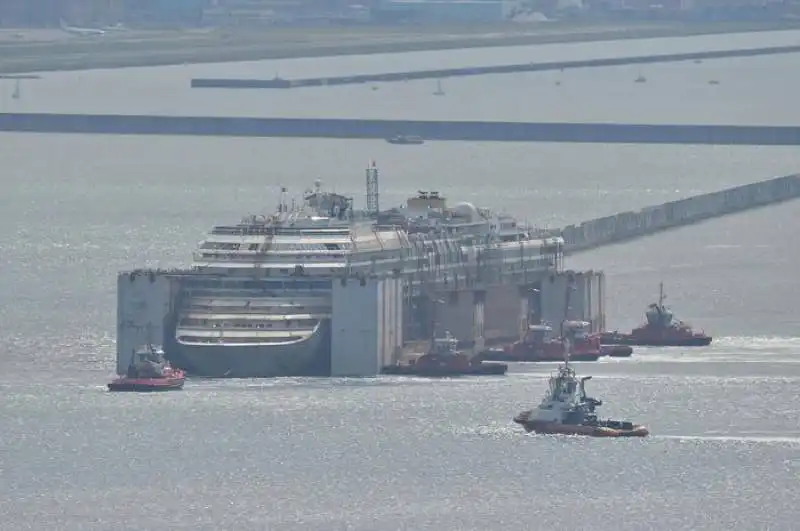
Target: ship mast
[564,339]
[372,189]
[282,202]
[149,334]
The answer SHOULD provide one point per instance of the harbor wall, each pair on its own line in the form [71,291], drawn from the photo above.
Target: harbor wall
[382,129]
[634,224]
[366,325]
[145,301]
[409,75]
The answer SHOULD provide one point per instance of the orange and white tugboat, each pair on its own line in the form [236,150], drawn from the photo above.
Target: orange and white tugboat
[567,410]
[660,330]
[149,371]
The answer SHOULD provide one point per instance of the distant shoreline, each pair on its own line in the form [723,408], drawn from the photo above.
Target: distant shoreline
[355,128]
[137,49]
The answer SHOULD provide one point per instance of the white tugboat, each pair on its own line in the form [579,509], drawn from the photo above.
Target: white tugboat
[567,410]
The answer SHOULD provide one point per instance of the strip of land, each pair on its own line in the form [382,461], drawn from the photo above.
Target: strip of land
[602,133]
[280,83]
[632,225]
[23,53]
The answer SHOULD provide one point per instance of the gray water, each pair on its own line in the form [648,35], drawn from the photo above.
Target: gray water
[400,453]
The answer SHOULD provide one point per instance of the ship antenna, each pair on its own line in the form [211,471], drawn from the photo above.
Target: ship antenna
[661,295]
[282,200]
[372,188]
[149,331]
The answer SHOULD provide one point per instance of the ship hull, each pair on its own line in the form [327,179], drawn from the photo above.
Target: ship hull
[553,428]
[501,355]
[624,339]
[146,385]
[302,358]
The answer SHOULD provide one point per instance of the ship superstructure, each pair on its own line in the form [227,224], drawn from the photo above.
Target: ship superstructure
[258,301]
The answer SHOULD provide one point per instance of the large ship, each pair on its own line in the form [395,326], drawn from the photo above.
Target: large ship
[258,301]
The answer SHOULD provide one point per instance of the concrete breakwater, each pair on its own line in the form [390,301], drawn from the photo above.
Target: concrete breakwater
[280,83]
[630,225]
[382,129]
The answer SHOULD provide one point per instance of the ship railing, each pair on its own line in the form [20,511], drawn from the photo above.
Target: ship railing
[261,258]
[255,293]
[473,276]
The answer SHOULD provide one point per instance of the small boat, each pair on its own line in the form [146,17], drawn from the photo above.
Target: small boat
[660,330]
[538,345]
[444,359]
[406,140]
[567,410]
[149,371]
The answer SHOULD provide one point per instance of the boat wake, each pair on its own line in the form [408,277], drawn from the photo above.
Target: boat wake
[494,431]
[765,439]
[725,350]
[758,342]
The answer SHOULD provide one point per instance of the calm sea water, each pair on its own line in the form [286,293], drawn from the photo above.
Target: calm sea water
[395,453]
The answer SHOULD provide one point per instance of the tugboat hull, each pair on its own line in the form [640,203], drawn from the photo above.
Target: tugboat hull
[143,385]
[616,351]
[482,369]
[502,355]
[602,429]
[629,340]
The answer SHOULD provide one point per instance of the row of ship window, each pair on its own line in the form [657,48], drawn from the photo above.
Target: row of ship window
[275,246]
[237,256]
[193,306]
[231,340]
[297,323]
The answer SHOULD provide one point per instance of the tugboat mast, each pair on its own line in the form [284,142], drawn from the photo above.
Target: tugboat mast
[564,339]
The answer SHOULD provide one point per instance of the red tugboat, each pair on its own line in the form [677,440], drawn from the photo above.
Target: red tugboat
[566,410]
[149,371]
[660,330]
[444,359]
[538,345]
